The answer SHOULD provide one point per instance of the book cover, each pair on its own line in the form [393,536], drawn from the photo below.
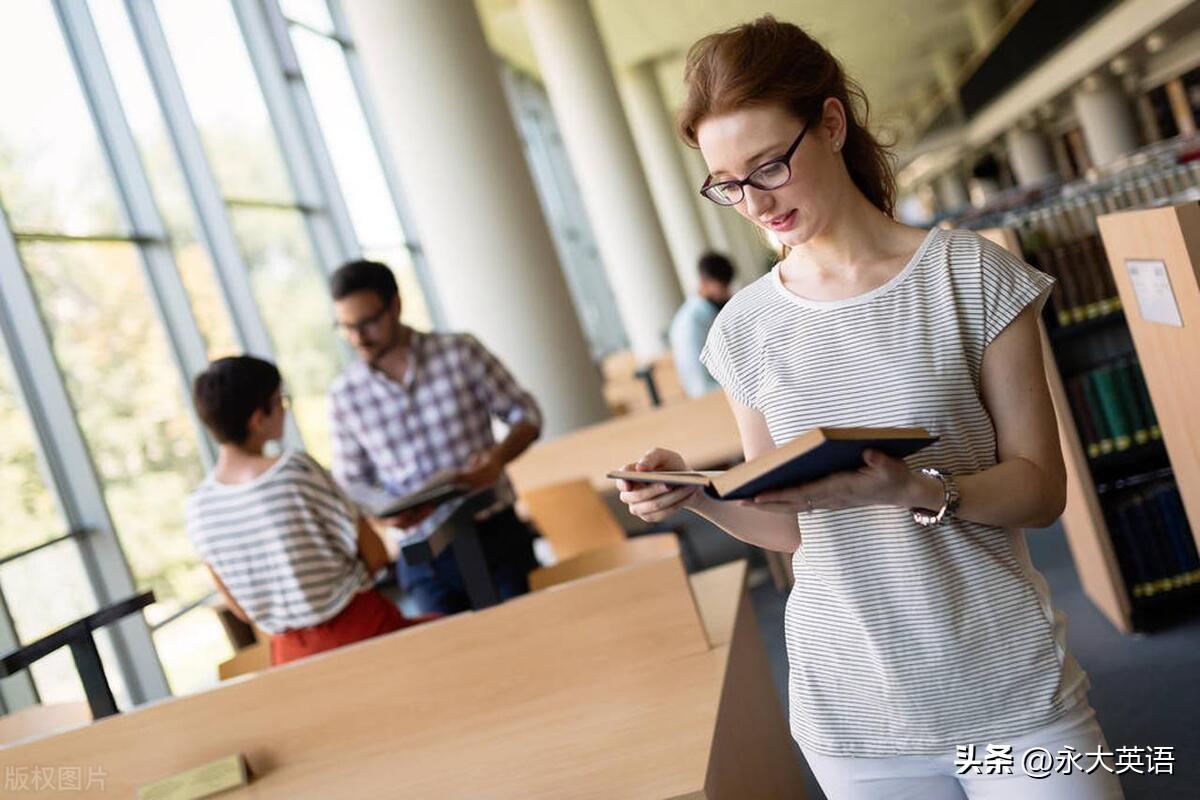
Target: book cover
[810,456]
[381,503]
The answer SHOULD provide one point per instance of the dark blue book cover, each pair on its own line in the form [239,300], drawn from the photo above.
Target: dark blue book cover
[1181,534]
[832,455]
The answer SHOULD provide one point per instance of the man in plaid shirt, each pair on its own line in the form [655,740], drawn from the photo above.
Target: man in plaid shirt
[419,404]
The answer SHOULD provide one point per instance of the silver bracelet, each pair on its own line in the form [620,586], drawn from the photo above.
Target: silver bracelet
[928,518]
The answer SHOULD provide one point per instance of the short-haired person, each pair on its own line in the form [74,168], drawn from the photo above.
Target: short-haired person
[285,548]
[909,639]
[419,404]
[689,327]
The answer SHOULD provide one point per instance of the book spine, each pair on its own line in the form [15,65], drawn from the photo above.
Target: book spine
[1090,277]
[1143,393]
[1175,512]
[1161,499]
[1139,569]
[1112,298]
[1169,549]
[1103,430]
[1083,415]
[1110,405]
[1076,290]
[1149,538]
[1127,392]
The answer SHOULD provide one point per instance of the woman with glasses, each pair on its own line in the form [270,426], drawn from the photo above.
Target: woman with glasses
[925,658]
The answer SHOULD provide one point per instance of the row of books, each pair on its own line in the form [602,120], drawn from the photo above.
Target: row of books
[1153,541]
[1062,240]
[1112,408]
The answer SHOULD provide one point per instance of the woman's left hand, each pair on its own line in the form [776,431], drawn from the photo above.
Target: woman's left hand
[882,480]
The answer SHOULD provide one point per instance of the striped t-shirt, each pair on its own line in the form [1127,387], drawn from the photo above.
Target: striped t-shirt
[285,544]
[902,640]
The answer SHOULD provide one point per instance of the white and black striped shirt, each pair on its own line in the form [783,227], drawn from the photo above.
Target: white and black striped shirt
[285,544]
[902,640]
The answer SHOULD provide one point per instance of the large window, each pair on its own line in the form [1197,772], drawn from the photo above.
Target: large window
[344,126]
[46,588]
[97,276]
[231,115]
[170,190]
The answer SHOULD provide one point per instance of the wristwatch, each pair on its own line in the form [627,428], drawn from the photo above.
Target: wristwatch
[930,519]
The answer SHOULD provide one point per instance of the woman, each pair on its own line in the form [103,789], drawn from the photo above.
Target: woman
[917,628]
[286,549]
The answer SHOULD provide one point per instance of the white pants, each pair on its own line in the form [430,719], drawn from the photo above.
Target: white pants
[935,778]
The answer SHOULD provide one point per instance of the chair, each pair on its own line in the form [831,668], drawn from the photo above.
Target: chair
[249,659]
[573,517]
[608,557]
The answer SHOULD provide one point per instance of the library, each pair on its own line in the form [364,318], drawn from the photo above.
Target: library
[334,333]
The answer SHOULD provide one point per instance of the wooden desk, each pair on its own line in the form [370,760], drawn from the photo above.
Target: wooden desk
[611,686]
[703,430]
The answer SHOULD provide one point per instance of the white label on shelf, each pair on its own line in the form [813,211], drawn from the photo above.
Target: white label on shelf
[1152,285]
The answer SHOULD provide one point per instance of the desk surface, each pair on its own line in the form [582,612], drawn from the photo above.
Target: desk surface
[703,430]
[604,687]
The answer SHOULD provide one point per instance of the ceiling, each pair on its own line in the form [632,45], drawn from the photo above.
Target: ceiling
[886,45]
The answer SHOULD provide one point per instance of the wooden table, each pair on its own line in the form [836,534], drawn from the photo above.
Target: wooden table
[635,683]
[703,430]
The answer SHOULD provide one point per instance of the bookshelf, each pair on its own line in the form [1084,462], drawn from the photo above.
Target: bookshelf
[1133,478]
[1083,519]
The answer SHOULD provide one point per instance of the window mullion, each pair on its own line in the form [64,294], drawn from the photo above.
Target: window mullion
[77,484]
[171,301]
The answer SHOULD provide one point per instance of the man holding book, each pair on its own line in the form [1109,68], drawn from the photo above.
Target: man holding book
[419,407]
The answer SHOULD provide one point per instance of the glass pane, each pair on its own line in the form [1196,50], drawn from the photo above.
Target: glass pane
[348,138]
[52,174]
[191,647]
[129,402]
[413,310]
[45,591]
[158,157]
[225,99]
[30,516]
[313,13]
[294,298]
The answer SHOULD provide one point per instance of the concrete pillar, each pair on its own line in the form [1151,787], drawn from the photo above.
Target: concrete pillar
[1108,123]
[435,83]
[946,67]
[584,96]
[654,134]
[982,19]
[951,192]
[1029,155]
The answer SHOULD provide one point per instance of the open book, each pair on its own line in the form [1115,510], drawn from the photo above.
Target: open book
[809,457]
[381,503]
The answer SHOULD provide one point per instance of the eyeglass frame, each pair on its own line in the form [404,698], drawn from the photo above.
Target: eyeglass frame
[346,328]
[785,160]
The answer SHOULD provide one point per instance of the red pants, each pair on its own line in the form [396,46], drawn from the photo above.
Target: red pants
[368,614]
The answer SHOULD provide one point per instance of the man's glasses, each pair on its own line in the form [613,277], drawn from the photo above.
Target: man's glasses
[360,327]
[771,175]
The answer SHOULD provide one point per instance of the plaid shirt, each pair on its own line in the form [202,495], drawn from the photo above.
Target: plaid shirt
[397,434]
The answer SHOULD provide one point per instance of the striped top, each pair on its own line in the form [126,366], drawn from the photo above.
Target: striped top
[902,640]
[285,544]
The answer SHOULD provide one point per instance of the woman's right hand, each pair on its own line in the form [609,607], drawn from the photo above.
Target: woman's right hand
[654,502]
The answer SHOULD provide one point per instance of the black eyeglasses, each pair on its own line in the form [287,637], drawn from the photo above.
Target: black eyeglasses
[346,328]
[771,175]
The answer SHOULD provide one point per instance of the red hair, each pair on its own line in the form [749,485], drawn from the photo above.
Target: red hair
[768,62]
